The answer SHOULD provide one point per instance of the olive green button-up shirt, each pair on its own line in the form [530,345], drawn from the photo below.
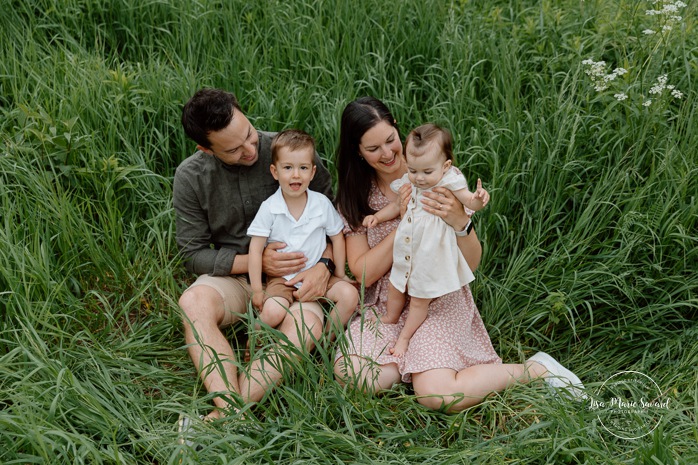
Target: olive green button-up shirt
[215,203]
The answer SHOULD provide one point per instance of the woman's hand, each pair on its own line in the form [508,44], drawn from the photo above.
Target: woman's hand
[442,203]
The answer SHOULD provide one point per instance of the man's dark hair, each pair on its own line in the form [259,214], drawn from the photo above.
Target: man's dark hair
[209,110]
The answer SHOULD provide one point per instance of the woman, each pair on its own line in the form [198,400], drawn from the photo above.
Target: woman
[450,361]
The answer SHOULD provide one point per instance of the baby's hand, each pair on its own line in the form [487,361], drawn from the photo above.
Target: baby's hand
[480,197]
[370,221]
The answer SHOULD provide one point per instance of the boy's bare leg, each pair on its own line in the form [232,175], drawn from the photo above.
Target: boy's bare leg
[273,311]
[418,313]
[346,298]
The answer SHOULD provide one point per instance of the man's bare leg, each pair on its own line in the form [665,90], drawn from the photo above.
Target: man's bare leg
[302,328]
[209,349]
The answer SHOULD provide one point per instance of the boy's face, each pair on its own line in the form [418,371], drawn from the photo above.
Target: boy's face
[294,169]
[427,169]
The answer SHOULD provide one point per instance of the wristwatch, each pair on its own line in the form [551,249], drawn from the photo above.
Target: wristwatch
[328,263]
[466,230]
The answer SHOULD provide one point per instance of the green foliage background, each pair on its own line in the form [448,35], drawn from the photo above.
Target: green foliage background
[590,238]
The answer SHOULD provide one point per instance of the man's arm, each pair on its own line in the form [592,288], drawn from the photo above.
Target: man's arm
[193,234]
[314,279]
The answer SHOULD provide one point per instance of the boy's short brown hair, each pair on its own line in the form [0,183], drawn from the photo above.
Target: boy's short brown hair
[293,139]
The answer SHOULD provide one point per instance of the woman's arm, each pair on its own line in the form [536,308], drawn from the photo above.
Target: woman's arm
[369,264]
[442,203]
[471,249]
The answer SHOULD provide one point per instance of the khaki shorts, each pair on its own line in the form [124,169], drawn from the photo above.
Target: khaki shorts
[235,292]
[277,288]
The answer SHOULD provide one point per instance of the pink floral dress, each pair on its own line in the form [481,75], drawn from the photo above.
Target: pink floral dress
[452,336]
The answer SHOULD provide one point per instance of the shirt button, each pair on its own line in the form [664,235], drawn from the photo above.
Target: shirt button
[409,219]
[407,240]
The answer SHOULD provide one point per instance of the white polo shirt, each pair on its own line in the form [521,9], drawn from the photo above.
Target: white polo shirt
[307,235]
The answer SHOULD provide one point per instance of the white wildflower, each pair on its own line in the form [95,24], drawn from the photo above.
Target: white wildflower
[676,93]
[620,71]
[648,32]
[620,97]
[666,28]
[647,103]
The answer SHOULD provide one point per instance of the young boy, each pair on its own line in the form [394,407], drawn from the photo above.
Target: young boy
[302,219]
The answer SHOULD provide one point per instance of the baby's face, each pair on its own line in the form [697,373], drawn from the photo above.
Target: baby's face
[426,167]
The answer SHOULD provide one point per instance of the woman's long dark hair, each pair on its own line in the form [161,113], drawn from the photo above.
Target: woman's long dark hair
[354,175]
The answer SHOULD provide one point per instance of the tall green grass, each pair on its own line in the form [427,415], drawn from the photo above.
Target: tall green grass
[590,238]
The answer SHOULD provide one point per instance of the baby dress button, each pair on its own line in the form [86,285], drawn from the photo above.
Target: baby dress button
[407,258]
[407,240]
[407,275]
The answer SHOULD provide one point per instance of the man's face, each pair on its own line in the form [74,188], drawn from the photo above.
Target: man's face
[236,144]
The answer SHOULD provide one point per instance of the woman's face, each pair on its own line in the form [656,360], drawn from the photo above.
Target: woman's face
[382,149]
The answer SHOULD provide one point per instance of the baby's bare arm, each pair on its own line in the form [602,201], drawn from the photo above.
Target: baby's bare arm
[387,213]
[473,200]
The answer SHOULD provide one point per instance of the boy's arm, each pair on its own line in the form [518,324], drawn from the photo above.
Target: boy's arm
[254,261]
[340,255]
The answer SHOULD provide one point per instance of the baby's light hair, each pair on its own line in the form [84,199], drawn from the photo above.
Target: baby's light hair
[420,137]
[292,139]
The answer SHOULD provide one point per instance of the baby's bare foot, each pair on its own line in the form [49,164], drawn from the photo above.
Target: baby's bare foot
[400,348]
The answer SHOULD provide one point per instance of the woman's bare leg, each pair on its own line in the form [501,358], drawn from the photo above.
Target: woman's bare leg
[458,390]
[364,375]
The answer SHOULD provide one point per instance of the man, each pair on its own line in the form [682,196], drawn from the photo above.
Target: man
[217,192]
